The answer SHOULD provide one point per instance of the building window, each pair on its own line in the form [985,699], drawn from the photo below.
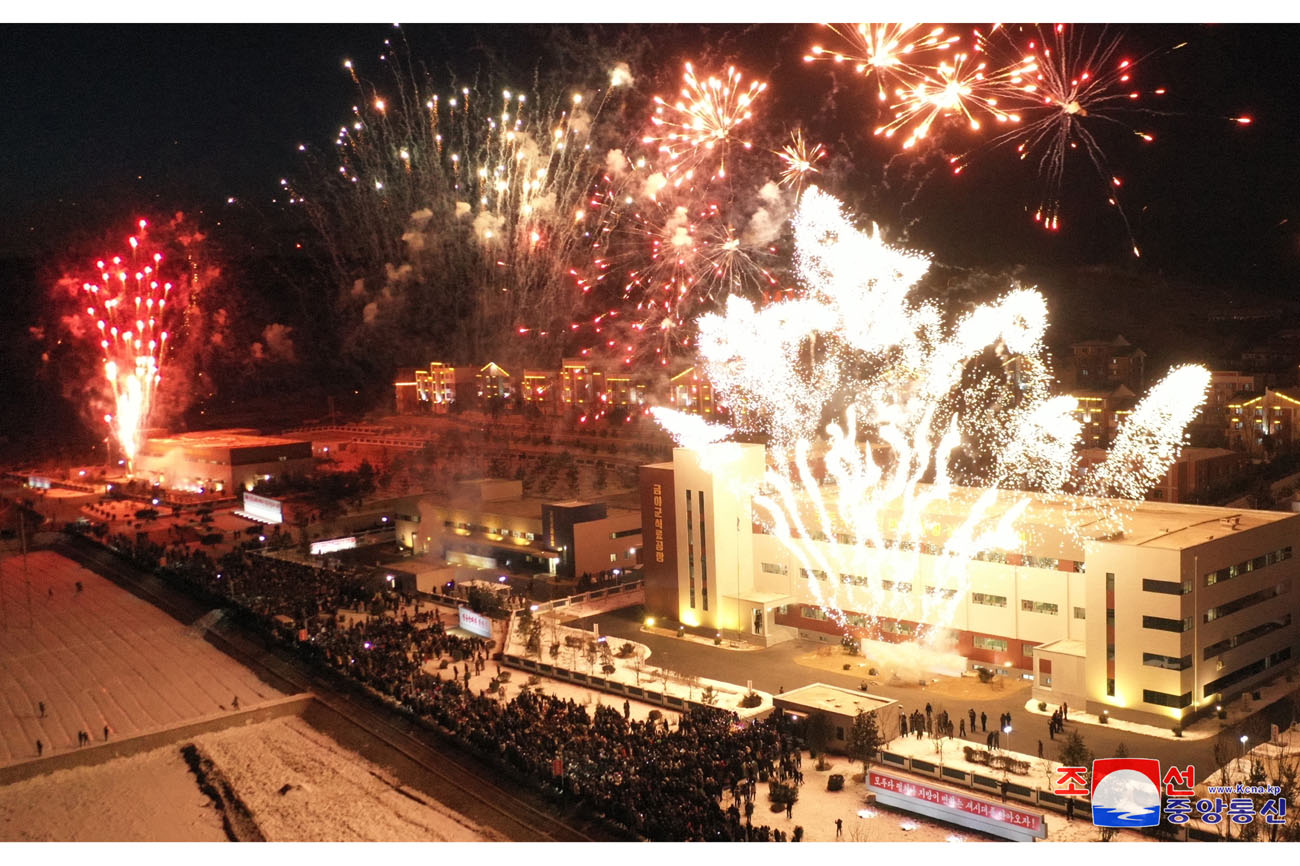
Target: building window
[1162,624]
[1080,613]
[853,579]
[1110,581]
[704,558]
[1039,607]
[892,626]
[1045,680]
[900,586]
[1110,687]
[613,557]
[1163,700]
[690,550]
[1168,587]
[940,591]
[990,600]
[1170,663]
[1246,672]
[1246,636]
[816,572]
[774,568]
[1246,601]
[990,643]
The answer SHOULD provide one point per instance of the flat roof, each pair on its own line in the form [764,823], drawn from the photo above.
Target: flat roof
[821,696]
[1054,525]
[220,439]
[1064,647]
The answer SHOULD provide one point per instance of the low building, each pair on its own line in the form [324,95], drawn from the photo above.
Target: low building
[1196,471]
[689,391]
[220,461]
[841,705]
[489,523]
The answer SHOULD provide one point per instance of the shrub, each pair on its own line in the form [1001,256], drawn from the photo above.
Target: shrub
[626,650]
[504,676]
[847,666]
[1178,730]
[751,700]
[654,715]
[835,782]
[608,668]
[1042,706]
[986,675]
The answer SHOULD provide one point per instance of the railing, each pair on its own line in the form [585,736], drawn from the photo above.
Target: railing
[569,601]
[979,782]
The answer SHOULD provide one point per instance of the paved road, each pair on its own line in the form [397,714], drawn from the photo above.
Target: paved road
[774,668]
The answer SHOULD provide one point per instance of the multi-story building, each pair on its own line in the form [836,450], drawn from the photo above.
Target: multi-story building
[540,388]
[690,391]
[1264,424]
[1195,471]
[1100,414]
[1103,364]
[1183,608]
[489,523]
[492,382]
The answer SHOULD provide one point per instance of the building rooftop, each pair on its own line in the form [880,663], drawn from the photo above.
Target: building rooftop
[233,438]
[1059,525]
[820,696]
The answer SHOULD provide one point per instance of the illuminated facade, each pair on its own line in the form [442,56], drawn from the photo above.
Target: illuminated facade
[539,389]
[689,391]
[220,461]
[1100,414]
[1186,608]
[1266,423]
[493,383]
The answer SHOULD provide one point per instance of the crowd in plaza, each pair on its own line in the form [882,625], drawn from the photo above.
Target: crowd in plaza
[659,781]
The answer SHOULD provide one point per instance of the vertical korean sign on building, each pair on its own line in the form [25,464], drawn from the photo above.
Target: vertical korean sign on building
[659,535]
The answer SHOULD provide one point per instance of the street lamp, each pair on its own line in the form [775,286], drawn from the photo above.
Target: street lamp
[1007,730]
[1244,739]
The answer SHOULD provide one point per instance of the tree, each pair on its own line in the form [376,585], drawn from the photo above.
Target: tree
[1074,753]
[864,739]
[817,732]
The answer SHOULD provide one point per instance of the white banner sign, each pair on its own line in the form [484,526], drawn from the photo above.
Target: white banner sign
[475,623]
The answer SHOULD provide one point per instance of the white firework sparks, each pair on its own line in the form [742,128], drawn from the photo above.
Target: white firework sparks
[907,436]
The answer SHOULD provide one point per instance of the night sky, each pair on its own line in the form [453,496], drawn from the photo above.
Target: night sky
[107,122]
[103,119]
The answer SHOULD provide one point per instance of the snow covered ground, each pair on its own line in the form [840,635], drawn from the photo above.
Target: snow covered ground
[330,794]
[150,797]
[100,657]
[334,795]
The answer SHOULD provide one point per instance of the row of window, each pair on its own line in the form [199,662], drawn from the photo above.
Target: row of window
[1170,663]
[479,527]
[1248,566]
[1246,636]
[1039,607]
[928,549]
[1168,587]
[1246,601]
[1246,672]
[1163,700]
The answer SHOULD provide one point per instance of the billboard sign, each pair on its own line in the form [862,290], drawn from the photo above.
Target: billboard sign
[263,509]
[332,545]
[989,816]
[475,623]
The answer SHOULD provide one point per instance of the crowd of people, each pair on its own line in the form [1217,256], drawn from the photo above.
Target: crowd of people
[659,781]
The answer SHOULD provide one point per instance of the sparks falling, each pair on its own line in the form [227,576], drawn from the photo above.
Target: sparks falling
[903,433]
[127,305]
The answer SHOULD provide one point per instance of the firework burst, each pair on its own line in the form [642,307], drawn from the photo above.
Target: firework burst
[705,121]
[799,160]
[889,53]
[902,433]
[129,305]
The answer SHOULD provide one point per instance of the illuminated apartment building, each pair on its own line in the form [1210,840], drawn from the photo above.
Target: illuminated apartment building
[493,383]
[1266,423]
[689,391]
[540,388]
[1185,608]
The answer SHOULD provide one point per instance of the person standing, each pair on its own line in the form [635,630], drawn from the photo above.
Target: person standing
[984,721]
[962,731]
[40,748]
[971,713]
[1040,748]
[41,706]
[1040,745]
[839,827]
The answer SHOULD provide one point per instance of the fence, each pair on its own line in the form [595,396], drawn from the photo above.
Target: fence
[596,681]
[595,595]
[979,782]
